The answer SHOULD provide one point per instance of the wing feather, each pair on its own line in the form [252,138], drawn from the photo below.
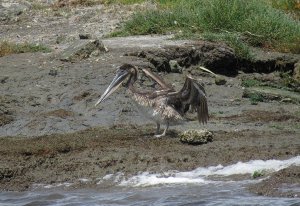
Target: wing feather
[193,96]
[157,79]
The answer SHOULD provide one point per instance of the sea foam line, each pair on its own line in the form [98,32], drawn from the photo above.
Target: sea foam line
[199,175]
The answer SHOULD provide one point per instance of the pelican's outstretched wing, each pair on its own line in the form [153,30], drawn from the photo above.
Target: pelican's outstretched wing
[191,96]
[157,79]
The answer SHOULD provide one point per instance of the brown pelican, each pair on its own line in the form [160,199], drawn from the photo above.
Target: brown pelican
[164,106]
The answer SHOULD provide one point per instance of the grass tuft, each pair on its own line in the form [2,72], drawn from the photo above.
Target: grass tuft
[239,23]
[7,48]
[255,98]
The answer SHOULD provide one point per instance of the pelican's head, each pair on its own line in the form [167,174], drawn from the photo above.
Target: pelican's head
[126,71]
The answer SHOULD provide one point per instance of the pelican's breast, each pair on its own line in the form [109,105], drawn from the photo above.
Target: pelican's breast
[156,109]
[148,107]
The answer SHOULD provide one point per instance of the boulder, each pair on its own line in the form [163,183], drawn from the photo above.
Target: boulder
[196,137]
[81,49]
[219,80]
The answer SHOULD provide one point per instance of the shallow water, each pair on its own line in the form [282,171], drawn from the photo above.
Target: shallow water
[209,194]
[196,187]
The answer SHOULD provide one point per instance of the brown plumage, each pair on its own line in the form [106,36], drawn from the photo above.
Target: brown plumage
[164,105]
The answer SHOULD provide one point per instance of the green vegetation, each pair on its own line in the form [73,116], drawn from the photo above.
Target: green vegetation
[258,173]
[288,82]
[255,98]
[276,126]
[7,48]
[237,22]
[250,82]
[38,6]
[289,6]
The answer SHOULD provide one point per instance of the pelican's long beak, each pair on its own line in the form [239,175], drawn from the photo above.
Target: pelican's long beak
[115,84]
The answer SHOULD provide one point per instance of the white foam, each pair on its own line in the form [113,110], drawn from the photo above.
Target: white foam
[147,179]
[199,175]
[115,177]
[65,184]
[83,180]
[107,177]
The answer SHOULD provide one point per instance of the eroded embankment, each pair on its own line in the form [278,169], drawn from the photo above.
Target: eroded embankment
[219,58]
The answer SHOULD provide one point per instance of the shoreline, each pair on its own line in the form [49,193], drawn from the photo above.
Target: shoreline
[96,152]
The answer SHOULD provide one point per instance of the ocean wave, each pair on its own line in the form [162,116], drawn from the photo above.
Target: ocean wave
[200,175]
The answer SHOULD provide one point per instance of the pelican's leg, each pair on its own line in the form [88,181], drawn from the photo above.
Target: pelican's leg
[165,131]
[157,128]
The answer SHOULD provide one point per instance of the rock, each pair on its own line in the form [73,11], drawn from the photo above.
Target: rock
[85,36]
[296,74]
[219,80]
[81,49]
[3,79]
[175,67]
[196,137]
[53,72]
